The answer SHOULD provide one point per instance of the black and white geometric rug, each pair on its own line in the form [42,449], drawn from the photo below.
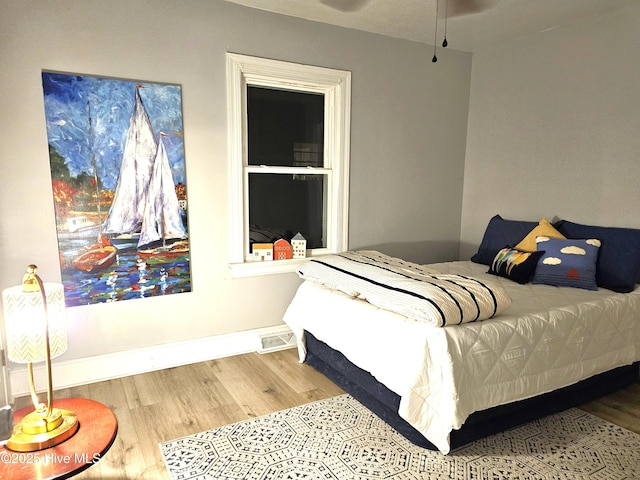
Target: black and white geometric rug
[340,439]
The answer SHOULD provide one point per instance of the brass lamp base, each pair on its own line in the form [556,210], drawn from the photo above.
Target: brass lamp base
[37,431]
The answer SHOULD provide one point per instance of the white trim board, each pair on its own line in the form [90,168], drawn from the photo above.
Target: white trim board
[130,362]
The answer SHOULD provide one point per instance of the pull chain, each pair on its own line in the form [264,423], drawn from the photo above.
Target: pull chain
[435,35]
[446,18]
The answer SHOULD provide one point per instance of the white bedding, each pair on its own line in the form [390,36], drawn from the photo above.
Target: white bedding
[414,291]
[549,338]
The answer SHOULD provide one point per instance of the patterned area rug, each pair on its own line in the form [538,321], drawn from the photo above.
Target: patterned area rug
[340,439]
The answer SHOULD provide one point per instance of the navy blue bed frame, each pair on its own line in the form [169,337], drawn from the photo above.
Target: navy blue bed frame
[384,403]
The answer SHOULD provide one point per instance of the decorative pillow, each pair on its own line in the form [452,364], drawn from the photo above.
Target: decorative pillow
[543,229]
[499,233]
[567,263]
[619,260]
[515,265]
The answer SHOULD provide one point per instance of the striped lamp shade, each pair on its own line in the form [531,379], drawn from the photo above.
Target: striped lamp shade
[24,319]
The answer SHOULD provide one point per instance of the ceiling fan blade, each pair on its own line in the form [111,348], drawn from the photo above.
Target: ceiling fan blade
[459,8]
[345,5]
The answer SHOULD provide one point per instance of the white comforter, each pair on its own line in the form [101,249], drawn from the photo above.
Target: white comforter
[549,338]
[414,291]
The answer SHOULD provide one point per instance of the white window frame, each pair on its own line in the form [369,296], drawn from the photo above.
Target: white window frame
[335,85]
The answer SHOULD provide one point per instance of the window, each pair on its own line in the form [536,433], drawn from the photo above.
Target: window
[289,158]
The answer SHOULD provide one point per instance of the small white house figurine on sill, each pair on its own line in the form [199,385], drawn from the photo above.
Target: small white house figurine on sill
[262,252]
[299,244]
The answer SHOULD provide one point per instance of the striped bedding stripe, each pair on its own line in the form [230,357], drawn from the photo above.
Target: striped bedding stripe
[417,292]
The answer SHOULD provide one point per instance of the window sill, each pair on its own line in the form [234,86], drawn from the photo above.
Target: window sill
[254,269]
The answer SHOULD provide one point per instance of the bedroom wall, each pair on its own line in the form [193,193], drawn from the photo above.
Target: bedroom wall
[409,120]
[554,127]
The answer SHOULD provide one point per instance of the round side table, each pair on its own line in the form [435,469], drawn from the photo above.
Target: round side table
[95,435]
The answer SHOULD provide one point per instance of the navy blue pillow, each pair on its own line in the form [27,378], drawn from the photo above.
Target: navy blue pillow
[499,233]
[567,263]
[618,263]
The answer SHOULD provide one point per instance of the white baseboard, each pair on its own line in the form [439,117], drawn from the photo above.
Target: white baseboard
[121,364]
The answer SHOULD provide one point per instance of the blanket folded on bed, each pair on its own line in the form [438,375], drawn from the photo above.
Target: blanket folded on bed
[417,292]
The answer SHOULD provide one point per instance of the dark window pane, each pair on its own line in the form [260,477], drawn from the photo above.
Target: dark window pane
[285,128]
[282,205]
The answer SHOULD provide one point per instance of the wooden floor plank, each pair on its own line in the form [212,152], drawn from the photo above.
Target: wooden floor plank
[124,457]
[298,376]
[159,406]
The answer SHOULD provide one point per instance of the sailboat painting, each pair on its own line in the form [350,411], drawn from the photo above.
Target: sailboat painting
[116,152]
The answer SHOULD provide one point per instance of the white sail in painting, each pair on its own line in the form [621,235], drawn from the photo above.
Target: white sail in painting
[145,200]
[161,218]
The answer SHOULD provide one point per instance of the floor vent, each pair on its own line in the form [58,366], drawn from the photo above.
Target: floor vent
[278,341]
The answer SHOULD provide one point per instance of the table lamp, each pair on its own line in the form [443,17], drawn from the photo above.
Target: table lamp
[35,324]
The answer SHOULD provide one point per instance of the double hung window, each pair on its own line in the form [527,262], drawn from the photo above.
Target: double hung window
[289,158]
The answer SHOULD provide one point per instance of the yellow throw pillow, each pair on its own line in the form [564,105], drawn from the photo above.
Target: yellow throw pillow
[543,229]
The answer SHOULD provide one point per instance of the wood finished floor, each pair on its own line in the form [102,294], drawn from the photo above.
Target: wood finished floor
[167,404]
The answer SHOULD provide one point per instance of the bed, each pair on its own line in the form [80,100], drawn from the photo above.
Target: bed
[448,380]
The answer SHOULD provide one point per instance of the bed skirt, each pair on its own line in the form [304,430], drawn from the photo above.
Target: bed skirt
[384,402]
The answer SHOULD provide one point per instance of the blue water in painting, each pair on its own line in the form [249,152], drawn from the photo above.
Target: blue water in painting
[127,278]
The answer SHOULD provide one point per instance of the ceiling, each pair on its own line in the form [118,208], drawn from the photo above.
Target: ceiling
[489,22]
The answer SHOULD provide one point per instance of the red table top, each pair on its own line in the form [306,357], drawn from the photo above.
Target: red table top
[96,433]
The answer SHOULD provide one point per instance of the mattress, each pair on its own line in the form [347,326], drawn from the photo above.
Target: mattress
[548,338]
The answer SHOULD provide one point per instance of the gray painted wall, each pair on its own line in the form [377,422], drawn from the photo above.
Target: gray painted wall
[409,120]
[554,128]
